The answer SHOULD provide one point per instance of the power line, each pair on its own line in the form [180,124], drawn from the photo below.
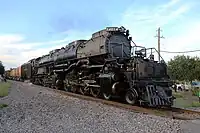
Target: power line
[178,52]
[159,51]
[198,50]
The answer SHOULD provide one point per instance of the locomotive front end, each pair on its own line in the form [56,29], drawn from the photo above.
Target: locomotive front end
[118,42]
[150,81]
[158,89]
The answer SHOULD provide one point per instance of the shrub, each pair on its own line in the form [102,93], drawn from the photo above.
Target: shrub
[195,91]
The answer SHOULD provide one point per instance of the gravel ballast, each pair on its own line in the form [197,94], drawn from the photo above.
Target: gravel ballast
[36,109]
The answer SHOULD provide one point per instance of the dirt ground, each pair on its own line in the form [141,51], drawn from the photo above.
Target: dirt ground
[185,99]
[39,109]
[36,109]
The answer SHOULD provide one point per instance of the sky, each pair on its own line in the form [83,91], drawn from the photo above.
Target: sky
[29,29]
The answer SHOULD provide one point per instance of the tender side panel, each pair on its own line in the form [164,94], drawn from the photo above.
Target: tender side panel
[20,72]
[94,46]
[26,71]
[69,52]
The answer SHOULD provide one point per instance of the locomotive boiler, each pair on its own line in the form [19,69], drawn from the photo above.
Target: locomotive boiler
[108,66]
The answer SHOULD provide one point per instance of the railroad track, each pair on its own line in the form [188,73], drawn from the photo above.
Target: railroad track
[173,112]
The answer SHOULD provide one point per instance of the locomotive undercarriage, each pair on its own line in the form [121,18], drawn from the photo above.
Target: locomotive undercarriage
[89,85]
[45,79]
[93,80]
[106,81]
[84,87]
[82,79]
[151,95]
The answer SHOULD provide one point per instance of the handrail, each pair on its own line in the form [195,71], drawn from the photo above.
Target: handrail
[145,50]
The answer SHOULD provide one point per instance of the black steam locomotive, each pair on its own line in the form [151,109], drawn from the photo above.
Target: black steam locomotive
[104,66]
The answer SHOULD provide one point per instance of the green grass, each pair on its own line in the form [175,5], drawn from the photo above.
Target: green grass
[4,86]
[178,95]
[186,99]
[3,105]
[194,104]
[195,91]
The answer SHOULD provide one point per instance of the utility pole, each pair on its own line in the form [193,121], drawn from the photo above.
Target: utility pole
[158,36]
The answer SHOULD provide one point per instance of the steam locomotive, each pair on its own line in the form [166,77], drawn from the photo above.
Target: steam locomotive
[107,66]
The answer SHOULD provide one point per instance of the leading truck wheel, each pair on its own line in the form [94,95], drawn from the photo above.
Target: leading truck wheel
[131,97]
[94,91]
[59,84]
[106,96]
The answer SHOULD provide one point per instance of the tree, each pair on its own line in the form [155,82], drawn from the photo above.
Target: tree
[2,69]
[184,68]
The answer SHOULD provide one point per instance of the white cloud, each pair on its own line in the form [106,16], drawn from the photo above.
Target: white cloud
[7,39]
[142,23]
[155,15]
[180,32]
[186,41]
[170,4]
[14,51]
